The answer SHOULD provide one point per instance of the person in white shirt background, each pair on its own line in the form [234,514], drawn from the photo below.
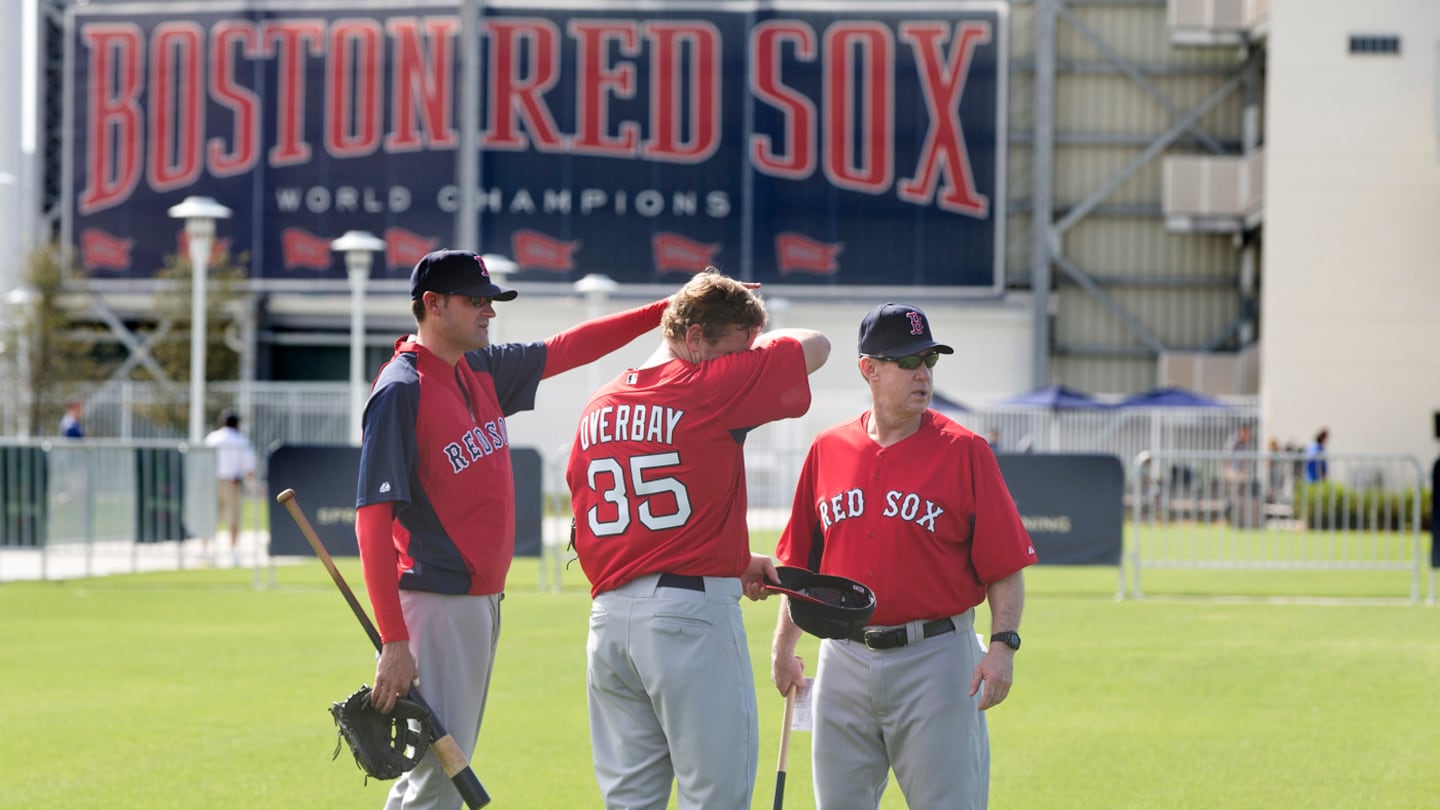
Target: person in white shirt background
[234,468]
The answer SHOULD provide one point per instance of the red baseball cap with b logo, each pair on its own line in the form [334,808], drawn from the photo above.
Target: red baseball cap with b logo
[897,330]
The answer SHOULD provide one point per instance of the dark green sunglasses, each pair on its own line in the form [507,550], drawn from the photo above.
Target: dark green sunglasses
[910,362]
[475,301]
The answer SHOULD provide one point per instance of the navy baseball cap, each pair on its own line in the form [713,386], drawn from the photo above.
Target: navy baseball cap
[455,271]
[897,330]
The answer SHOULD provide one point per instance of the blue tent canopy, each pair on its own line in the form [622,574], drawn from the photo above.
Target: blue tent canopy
[1170,398]
[1057,397]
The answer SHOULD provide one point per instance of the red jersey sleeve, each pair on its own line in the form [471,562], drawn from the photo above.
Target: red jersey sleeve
[778,386]
[379,564]
[798,542]
[594,339]
[1002,545]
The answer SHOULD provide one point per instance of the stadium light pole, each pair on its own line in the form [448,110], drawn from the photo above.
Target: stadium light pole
[359,248]
[597,288]
[19,305]
[199,214]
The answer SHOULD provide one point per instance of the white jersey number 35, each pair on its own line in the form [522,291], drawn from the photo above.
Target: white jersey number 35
[644,491]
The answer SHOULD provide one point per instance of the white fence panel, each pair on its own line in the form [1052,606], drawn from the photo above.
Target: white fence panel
[1261,511]
[86,507]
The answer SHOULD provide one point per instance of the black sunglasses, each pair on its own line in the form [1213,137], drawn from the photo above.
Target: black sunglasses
[475,301]
[910,362]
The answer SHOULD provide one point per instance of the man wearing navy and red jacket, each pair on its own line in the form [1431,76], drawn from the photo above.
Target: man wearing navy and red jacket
[435,514]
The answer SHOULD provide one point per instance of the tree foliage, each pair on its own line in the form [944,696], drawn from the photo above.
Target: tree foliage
[173,304]
[61,349]
[53,359]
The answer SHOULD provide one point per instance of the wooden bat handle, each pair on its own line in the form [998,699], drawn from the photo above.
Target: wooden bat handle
[785,728]
[452,759]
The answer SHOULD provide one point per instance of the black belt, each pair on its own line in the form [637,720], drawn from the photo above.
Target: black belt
[689,583]
[897,636]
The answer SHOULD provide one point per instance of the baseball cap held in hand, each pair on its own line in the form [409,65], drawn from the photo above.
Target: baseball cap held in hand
[455,271]
[897,330]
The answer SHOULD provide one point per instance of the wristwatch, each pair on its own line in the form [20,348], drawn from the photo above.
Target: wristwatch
[1009,638]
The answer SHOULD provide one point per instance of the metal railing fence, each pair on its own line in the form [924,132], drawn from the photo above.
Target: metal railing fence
[318,413]
[272,413]
[1122,432]
[1261,511]
[82,507]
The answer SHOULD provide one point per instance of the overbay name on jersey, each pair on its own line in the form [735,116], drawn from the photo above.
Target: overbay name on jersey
[629,423]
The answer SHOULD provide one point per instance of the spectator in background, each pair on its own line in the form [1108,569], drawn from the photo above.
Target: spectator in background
[234,468]
[68,469]
[993,438]
[1242,484]
[1316,468]
[1239,470]
[71,427]
[1278,485]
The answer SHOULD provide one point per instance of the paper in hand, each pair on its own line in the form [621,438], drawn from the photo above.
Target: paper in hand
[800,719]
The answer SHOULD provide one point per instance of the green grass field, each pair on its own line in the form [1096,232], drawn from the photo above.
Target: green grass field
[191,689]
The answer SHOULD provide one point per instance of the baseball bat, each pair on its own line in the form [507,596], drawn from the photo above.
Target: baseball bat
[452,759]
[784,747]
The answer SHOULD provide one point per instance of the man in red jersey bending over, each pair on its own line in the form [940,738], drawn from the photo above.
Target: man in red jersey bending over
[657,478]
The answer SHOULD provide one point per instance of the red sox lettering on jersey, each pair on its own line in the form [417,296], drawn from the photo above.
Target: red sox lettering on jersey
[478,442]
[901,505]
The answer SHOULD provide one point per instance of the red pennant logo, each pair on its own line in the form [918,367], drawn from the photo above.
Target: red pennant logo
[405,248]
[536,251]
[101,251]
[798,253]
[302,250]
[677,254]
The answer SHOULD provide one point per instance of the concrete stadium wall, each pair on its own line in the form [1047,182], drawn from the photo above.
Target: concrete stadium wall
[1351,263]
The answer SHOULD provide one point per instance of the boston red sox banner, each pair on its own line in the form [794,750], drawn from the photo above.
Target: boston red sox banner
[801,143]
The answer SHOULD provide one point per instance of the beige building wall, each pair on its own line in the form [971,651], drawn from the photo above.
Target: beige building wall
[1351,266]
